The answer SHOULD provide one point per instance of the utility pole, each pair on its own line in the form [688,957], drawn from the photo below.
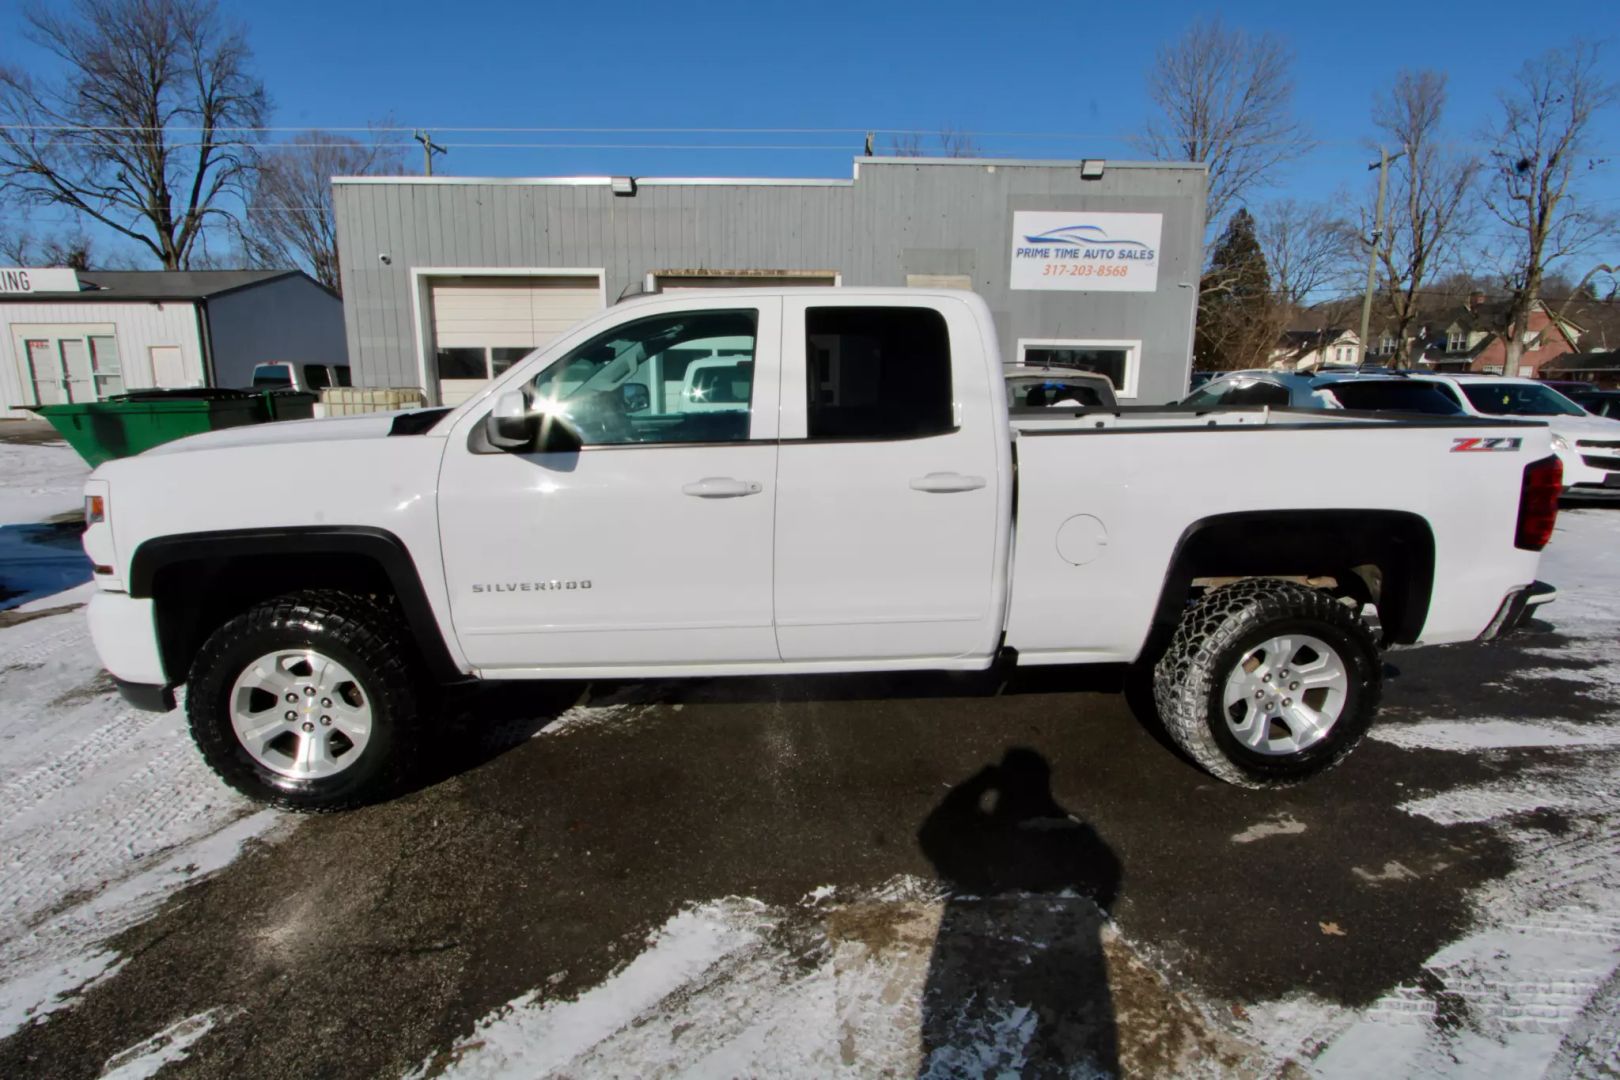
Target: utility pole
[429,148]
[1382,165]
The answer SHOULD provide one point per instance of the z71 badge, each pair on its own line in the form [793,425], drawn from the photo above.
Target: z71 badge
[1469,446]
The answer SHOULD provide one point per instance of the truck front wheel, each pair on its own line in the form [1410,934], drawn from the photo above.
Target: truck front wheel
[306,702]
[1267,682]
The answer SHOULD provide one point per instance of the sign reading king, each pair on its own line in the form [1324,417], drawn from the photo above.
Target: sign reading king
[22,279]
[1083,251]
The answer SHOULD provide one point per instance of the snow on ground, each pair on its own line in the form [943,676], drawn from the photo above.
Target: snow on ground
[104,811]
[1534,990]
[38,483]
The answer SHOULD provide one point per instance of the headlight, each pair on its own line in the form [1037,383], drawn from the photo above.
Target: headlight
[1560,444]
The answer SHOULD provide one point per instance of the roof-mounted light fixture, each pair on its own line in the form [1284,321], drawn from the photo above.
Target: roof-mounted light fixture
[1092,169]
[624,185]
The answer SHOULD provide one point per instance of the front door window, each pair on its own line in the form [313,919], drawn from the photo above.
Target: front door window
[665,379]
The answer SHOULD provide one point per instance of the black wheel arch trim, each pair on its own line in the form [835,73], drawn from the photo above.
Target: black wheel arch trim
[1401,614]
[378,545]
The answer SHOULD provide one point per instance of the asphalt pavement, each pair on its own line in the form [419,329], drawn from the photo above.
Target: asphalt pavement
[368,943]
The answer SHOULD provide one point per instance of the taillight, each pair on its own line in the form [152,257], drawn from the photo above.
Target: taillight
[1538,503]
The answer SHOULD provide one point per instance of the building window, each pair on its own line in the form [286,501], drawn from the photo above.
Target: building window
[1456,341]
[877,373]
[1386,344]
[104,361]
[1117,360]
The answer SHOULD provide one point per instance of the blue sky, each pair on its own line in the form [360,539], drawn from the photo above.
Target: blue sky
[1056,67]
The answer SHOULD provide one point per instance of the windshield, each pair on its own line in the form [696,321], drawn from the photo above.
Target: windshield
[1039,393]
[1394,396]
[272,376]
[1519,399]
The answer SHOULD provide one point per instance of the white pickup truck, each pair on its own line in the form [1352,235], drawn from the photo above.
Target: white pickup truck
[849,491]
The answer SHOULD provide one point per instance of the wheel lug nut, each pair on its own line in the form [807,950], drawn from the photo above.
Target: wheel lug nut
[1258,694]
[310,690]
[292,696]
[308,726]
[1293,686]
[326,703]
[326,721]
[1265,678]
[291,715]
[1287,701]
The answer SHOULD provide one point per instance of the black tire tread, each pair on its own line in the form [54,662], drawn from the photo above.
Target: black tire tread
[1184,676]
[364,625]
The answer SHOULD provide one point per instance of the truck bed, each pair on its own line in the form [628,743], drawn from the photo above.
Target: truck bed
[1100,518]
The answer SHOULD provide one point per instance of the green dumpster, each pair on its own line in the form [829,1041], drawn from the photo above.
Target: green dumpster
[130,423]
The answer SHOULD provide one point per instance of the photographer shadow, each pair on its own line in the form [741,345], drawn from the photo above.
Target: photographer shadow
[1018,980]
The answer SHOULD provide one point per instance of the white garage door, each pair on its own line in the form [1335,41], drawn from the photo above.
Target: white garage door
[483,325]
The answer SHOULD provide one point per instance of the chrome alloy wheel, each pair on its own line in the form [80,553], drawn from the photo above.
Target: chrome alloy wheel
[300,714]
[1285,694]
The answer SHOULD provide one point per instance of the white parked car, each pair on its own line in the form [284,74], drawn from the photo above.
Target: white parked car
[1588,445]
[848,503]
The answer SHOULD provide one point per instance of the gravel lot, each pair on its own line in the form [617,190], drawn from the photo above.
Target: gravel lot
[915,875]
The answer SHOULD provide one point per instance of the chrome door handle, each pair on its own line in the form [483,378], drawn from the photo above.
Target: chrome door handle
[946,481]
[722,487]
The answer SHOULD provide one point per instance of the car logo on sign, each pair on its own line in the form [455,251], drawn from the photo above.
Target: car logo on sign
[1470,446]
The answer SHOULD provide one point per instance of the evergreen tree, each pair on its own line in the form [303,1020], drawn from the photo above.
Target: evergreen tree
[1236,315]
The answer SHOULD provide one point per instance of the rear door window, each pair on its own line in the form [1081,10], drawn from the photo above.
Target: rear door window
[877,373]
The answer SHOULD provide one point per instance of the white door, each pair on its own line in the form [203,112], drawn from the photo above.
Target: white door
[482,325]
[44,372]
[168,367]
[652,543]
[76,369]
[888,503]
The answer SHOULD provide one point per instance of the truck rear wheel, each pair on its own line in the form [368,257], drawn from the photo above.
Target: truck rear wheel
[1267,682]
[306,702]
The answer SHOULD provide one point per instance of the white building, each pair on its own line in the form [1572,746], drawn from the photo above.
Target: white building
[69,336]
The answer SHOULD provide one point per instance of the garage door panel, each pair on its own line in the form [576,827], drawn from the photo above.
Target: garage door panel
[504,313]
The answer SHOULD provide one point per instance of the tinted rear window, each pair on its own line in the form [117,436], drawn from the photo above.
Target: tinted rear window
[877,373]
[1394,397]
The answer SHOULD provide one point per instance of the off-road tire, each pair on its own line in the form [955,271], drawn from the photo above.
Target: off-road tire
[362,634]
[1216,632]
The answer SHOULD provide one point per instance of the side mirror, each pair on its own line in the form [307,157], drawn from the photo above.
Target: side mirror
[634,397]
[515,426]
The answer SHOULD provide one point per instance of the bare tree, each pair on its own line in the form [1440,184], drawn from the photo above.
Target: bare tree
[289,216]
[1308,249]
[144,132]
[16,248]
[1226,100]
[1539,156]
[950,142]
[1429,202]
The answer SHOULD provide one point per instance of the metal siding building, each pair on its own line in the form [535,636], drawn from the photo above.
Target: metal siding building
[408,241]
[77,336]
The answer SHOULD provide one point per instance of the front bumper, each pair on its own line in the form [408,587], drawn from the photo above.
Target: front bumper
[125,635]
[1517,607]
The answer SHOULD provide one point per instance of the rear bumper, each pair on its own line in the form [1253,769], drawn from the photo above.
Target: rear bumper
[1517,606]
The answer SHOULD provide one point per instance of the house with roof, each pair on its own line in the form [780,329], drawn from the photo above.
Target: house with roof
[1601,369]
[69,336]
[1466,337]
[1311,349]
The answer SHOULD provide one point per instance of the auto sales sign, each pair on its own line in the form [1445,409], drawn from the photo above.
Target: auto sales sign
[1087,252]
